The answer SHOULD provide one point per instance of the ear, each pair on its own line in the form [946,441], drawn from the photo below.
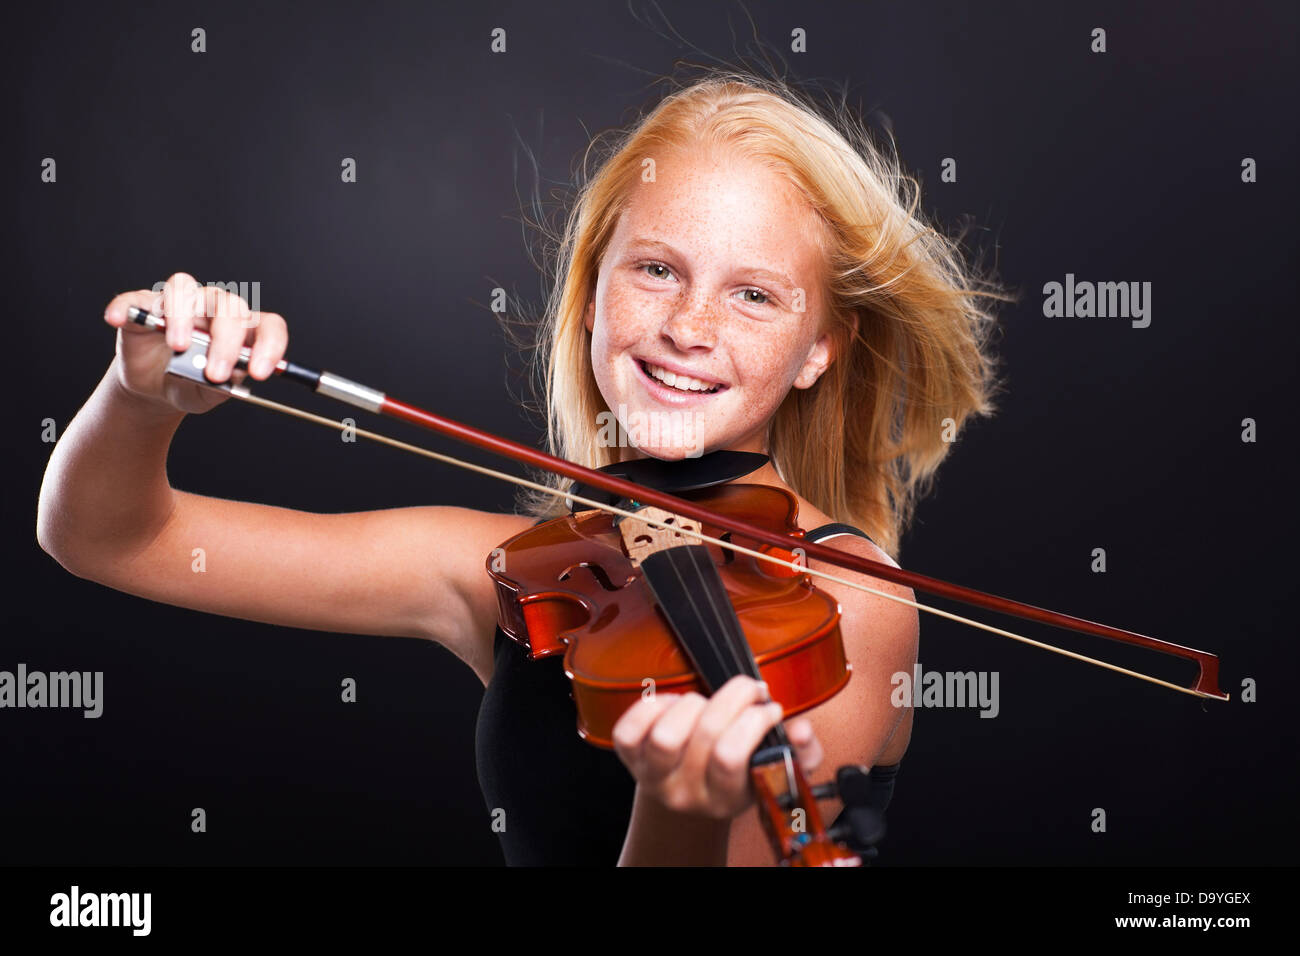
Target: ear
[589,314]
[821,355]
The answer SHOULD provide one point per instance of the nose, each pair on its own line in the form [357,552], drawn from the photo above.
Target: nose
[692,324]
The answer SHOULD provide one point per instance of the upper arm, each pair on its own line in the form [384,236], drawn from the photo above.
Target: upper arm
[860,724]
[412,572]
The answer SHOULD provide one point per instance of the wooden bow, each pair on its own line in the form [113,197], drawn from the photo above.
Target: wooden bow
[190,365]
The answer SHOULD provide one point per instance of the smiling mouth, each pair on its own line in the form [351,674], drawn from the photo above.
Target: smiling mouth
[681,383]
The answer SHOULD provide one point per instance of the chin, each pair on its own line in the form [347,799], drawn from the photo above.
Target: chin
[669,452]
[670,434]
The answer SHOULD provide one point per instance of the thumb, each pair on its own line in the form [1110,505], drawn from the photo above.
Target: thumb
[807,748]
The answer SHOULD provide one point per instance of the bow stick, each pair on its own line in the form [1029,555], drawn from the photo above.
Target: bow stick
[190,364]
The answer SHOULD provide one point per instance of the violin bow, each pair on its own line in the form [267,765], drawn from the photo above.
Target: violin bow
[191,363]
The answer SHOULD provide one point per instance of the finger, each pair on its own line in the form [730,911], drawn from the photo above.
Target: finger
[727,702]
[272,337]
[807,747]
[740,692]
[228,326]
[180,303]
[728,768]
[665,746]
[630,729]
[115,312]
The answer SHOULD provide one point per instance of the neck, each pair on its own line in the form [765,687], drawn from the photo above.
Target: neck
[767,475]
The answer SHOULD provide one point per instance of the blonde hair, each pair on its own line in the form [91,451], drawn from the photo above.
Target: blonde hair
[864,442]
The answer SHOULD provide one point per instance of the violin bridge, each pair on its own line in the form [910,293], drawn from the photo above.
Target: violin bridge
[641,539]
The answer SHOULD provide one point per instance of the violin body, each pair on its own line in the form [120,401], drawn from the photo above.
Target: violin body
[569,587]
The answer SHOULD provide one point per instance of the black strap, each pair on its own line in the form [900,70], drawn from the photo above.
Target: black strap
[834,528]
[673,477]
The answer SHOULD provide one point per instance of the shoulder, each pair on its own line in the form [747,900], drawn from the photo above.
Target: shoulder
[867,598]
[810,519]
[878,619]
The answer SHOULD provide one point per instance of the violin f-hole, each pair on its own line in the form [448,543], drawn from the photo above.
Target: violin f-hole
[595,570]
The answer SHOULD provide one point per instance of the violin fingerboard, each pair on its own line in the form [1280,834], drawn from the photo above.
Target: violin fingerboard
[690,593]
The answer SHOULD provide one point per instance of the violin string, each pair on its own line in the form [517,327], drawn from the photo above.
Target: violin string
[742,661]
[724,625]
[742,654]
[243,394]
[710,632]
[723,639]
[733,638]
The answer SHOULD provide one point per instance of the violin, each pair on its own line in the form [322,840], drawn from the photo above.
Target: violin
[636,606]
[683,592]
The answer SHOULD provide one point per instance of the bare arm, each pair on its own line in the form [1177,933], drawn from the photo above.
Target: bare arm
[108,513]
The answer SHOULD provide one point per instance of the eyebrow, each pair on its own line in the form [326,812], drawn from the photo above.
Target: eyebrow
[766,275]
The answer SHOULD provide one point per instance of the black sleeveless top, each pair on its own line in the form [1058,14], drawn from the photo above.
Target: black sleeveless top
[565,801]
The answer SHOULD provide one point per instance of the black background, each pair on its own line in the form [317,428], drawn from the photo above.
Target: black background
[1123,166]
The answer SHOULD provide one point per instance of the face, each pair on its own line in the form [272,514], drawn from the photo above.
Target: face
[708,306]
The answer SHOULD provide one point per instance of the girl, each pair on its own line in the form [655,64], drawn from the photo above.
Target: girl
[740,270]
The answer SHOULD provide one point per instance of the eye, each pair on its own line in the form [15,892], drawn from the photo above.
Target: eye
[763,299]
[656,265]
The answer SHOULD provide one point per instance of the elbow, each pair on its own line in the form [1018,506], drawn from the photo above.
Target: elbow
[55,538]
[47,535]
[52,544]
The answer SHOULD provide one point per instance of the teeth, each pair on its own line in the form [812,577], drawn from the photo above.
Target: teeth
[682,383]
